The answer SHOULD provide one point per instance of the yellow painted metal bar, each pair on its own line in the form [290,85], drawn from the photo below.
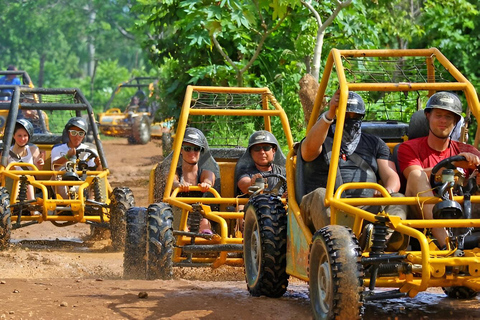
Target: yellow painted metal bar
[151,186]
[293,206]
[437,86]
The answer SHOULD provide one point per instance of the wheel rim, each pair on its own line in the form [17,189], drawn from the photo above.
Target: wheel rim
[253,249]
[143,131]
[321,284]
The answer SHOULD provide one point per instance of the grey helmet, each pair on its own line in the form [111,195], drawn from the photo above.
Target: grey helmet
[446,101]
[262,136]
[355,103]
[195,137]
[78,122]
[25,124]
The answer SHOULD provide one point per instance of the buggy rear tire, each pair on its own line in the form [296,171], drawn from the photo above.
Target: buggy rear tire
[265,246]
[160,241]
[336,274]
[121,200]
[5,219]
[141,131]
[167,142]
[135,255]
[463,293]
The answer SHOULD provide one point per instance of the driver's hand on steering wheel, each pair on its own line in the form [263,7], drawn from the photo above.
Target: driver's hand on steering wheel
[97,161]
[254,178]
[472,161]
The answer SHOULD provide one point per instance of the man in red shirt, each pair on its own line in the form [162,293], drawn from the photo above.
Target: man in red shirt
[416,157]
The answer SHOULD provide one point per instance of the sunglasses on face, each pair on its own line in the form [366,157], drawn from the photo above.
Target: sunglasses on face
[75,133]
[258,148]
[190,148]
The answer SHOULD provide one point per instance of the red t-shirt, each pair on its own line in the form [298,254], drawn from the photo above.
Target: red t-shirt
[417,152]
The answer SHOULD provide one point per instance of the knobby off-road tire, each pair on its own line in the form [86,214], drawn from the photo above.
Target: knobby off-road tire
[5,219]
[160,241]
[121,200]
[265,246]
[336,274]
[460,292]
[141,131]
[135,255]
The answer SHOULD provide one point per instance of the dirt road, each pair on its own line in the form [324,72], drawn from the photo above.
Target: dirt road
[52,273]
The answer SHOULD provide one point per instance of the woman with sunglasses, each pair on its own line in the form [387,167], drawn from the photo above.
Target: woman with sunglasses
[262,146]
[75,129]
[191,173]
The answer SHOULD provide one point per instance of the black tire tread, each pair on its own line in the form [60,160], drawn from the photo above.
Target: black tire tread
[135,255]
[347,272]
[121,200]
[272,222]
[5,219]
[463,293]
[160,228]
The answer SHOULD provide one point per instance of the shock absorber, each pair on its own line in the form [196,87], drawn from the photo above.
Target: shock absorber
[194,218]
[97,191]
[22,193]
[378,248]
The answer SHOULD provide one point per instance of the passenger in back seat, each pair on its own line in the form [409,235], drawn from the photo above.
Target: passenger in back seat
[417,157]
[190,173]
[363,158]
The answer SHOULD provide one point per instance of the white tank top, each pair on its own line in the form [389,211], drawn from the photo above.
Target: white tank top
[26,159]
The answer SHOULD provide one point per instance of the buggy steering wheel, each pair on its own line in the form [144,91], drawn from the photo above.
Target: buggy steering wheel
[83,164]
[445,163]
[283,187]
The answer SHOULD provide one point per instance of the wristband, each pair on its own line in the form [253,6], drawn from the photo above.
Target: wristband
[324,117]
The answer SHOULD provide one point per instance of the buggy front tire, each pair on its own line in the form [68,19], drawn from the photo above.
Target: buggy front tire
[135,255]
[160,241]
[265,246]
[336,274]
[121,200]
[5,219]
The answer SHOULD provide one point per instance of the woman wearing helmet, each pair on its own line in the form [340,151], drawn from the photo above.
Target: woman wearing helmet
[76,130]
[190,173]
[418,156]
[262,146]
[23,151]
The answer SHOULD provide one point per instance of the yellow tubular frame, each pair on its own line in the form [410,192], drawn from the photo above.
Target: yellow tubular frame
[432,263]
[185,203]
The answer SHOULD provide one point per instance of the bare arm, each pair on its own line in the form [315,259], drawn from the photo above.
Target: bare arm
[312,145]
[207,180]
[389,175]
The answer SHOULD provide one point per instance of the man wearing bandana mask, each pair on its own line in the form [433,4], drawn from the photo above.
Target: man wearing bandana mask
[418,156]
[363,158]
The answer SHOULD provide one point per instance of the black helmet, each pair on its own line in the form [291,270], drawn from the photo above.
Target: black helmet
[446,101]
[355,103]
[195,137]
[78,122]
[262,136]
[25,124]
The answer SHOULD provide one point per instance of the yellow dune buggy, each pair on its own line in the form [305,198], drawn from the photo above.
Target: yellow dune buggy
[342,275]
[89,198]
[135,121]
[166,234]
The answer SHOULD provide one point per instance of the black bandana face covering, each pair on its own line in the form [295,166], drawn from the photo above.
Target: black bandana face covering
[352,131]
